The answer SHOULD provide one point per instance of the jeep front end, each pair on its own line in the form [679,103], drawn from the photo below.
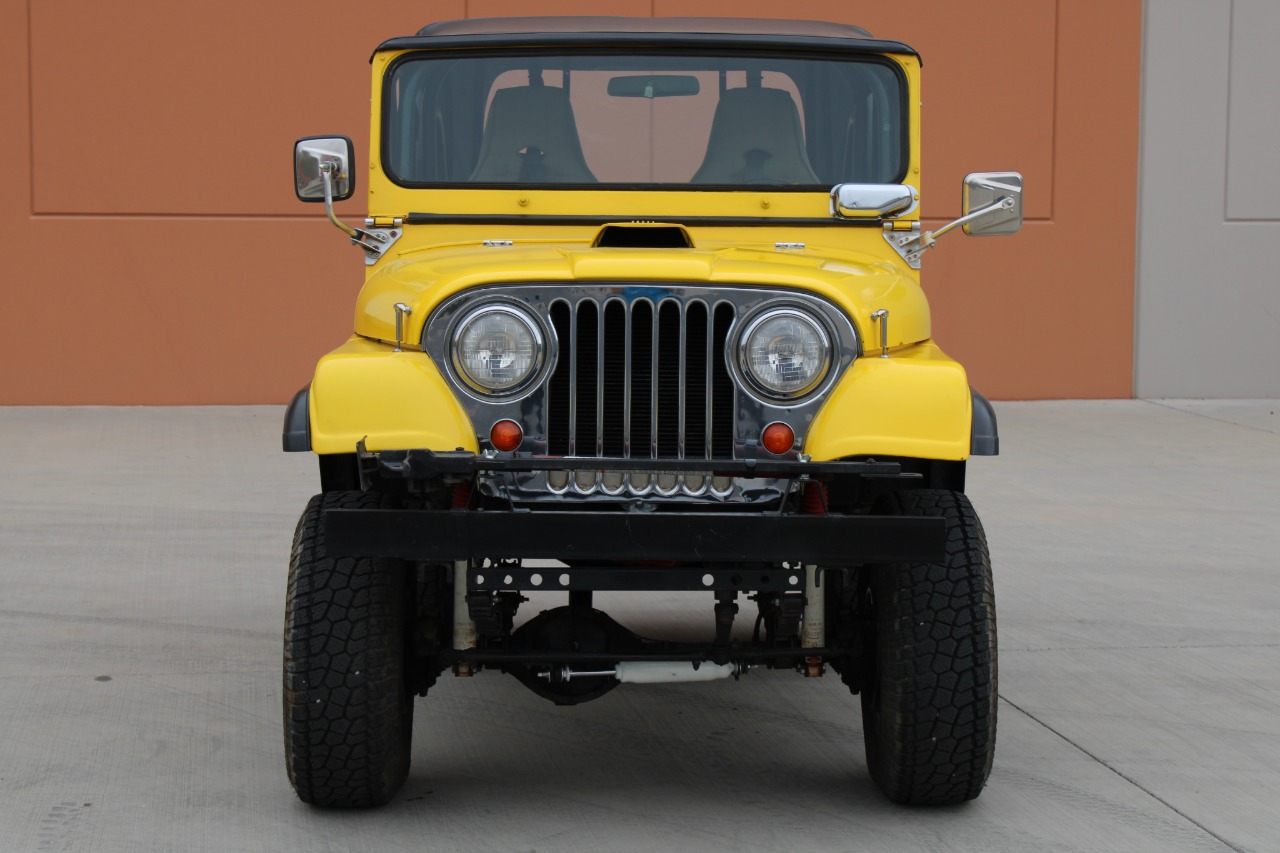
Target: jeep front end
[642,311]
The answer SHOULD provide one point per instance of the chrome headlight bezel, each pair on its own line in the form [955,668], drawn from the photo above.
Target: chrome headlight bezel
[759,386]
[526,321]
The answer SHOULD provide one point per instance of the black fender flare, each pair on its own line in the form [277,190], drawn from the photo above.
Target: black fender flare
[985,437]
[297,423]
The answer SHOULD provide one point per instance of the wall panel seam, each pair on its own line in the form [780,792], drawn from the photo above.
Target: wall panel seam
[1227,218]
[1057,101]
[1226,159]
[31,112]
[1138,253]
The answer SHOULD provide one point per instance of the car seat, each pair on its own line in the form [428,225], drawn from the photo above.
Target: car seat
[530,136]
[755,139]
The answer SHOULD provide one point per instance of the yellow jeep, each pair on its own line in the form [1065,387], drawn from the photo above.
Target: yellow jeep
[642,312]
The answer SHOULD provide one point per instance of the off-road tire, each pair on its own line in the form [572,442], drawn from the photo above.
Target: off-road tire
[348,711]
[929,703]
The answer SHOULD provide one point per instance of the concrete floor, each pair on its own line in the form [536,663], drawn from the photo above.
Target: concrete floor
[142,570]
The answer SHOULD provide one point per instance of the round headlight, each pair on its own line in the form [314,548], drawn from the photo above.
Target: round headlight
[496,349]
[784,353]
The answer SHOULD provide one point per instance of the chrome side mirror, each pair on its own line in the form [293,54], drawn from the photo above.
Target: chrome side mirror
[318,157]
[991,206]
[996,198]
[322,172]
[872,201]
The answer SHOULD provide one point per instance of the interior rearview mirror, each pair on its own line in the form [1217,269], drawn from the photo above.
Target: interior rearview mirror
[653,86]
[310,156]
[985,189]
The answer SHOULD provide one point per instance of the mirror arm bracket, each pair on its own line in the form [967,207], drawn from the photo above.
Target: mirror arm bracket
[903,242]
[911,245]
[374,241]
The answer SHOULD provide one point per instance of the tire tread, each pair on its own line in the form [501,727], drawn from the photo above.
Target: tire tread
[347,715]
[930,725]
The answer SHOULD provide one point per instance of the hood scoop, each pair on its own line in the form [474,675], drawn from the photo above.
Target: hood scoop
[642,235]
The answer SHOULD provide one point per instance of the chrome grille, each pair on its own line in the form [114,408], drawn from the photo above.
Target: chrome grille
[635,369]
[641,379]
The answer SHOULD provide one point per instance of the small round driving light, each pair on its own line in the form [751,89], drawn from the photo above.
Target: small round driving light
[506,435]
[778,438]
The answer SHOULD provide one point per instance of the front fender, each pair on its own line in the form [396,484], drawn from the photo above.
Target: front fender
[392,400]
[915,403]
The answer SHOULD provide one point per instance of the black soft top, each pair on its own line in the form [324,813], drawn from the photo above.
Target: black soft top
[551,31]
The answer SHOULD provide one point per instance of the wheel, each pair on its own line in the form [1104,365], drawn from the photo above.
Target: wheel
[929,701]
[348,707]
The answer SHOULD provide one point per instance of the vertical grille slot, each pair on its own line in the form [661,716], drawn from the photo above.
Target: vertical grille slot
[558,386]
[668,346]
[584,439]
[613,380]
[642,440]
[722,389]
[641,380]
[697,355]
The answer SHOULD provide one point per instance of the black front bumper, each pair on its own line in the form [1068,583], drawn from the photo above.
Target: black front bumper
[608,534]
[447,535]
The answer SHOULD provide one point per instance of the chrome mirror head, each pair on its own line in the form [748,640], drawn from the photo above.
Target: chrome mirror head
[315,155]
[999,191]
[872,201]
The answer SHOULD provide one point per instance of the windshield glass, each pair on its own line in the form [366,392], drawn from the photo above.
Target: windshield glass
[670,122]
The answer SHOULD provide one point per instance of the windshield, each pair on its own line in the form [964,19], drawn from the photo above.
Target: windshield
[704,122]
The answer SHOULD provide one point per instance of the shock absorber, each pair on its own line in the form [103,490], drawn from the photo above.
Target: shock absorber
[464,630]
[813,633]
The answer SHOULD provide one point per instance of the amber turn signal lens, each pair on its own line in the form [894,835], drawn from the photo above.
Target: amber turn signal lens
[778,438]
[506,435]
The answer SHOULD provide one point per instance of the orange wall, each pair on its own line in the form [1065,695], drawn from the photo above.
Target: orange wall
[149,187]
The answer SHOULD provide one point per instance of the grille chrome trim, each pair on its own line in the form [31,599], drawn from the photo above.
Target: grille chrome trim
[607,425]
[674,345]
[613,484]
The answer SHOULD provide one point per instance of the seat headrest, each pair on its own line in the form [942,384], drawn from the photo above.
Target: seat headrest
[530,136]
[755,138]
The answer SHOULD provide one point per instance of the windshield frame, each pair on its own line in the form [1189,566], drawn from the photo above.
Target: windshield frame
[707,50]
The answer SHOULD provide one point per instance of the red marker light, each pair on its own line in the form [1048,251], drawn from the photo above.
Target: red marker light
[778,438]
[506,435]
